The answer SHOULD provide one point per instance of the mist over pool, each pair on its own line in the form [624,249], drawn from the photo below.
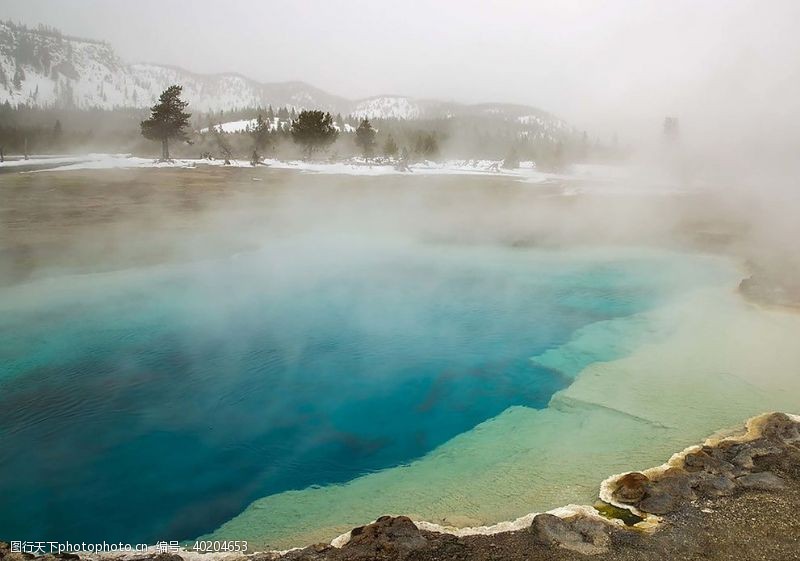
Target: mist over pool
[165,399]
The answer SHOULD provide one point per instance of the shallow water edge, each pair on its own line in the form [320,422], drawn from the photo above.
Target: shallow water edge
[714,359]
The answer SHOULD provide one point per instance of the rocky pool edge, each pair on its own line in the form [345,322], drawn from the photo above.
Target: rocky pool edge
[761,459]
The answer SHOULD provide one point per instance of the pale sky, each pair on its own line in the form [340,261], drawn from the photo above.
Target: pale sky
[612,65]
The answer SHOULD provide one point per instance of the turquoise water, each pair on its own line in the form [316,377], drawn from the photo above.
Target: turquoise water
[156,404]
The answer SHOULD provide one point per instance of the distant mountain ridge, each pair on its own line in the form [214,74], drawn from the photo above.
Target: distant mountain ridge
[44,68]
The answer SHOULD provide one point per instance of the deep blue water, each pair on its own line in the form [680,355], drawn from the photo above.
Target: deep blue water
[156,404]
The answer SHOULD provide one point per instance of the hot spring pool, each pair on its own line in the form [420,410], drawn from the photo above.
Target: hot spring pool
[157,404]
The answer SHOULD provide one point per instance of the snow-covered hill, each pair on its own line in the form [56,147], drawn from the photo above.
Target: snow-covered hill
[43,68]
[528,121]
[387,107]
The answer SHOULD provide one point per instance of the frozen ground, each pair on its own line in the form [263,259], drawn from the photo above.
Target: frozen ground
[579,178]
[353,166]
[45,160]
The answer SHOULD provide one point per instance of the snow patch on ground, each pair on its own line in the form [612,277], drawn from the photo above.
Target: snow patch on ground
[579,179]
[381,166]
[109,161]
[43,160]
[353,166]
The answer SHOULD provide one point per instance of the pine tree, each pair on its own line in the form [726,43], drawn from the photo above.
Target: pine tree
[426,146]
[224,146]
[390,147]
[260,134]
[46,59]
[365,138]
[57,132]
[19,76]
[314,130]
[167,119]
[270,114]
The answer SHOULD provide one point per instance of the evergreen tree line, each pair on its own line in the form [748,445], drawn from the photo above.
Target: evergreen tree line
[314,134]
[31,139]
[48,31]
[94,130]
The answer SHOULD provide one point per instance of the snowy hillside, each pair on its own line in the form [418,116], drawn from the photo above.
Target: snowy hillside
[387,107]
[231,91]
[43,68]
[528,121]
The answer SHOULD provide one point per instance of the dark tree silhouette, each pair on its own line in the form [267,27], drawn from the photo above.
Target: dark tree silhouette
[390,147]
[511,161]
[426,146]
[57,131]
[260,133]
[365,138]
[224,146]
[314,130]
[261,137]
[167,119]
[19,76]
